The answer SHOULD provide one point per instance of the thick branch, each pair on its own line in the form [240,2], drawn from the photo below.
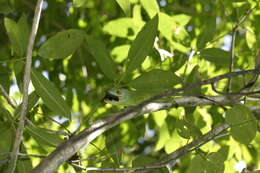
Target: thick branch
[75,143]
[26,81]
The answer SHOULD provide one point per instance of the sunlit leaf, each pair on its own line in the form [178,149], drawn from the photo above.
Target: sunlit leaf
[79,3]
[142,45]
[155,80]
[250,38]
[159,117]
[243,124]
[170,29]
[125,5]
[62,45]
[164,136]
[120,53]
[165,25]
[151,7]
[99,52]
[123,27]
[182,19]
[50,94]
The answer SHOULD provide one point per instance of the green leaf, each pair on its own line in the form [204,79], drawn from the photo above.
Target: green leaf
[100,54]
[166,25]
[192,78]
[119,53]
[183,130]
[5,114]
[24,165]
[250,38]
[179,61]
[5,6]
[7,134]
[151,7]
[50,94]
[142,45]
[42,136]
[79,3]
[217,56]
[215,161]
[155,80]
[207,34]
[197,164]
[164,136]
[125,5]
[170,29]
[182,19]
[62,45]
[143,161]
[123,27]
[243,124]
[18,41]
[18,72]
[187,129]
[33,99]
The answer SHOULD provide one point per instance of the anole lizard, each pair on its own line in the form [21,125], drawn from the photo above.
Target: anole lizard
[125,97]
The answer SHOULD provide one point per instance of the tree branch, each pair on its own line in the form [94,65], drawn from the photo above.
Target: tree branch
[232,58]
[118,169]
[26,81]
[7,98]
[67,149]
[233,42]
[180,152]
[214,133]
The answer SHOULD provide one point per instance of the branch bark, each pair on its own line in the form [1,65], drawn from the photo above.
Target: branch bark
[69,147]
[26,81]
[7,98]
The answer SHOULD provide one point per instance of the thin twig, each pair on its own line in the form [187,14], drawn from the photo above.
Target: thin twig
[180,152]
[233,42]
[31,155]
[118,169]
[243,18]
[7,98]
[31,7]
[26,81]
[24,154]
[234,93]
[232,58]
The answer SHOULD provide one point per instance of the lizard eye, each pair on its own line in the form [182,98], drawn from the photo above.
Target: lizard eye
[110,97]
[118,92]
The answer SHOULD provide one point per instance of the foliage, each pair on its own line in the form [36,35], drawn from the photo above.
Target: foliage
[94,57]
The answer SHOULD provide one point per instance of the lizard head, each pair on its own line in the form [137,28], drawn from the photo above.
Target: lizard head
[116,96]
